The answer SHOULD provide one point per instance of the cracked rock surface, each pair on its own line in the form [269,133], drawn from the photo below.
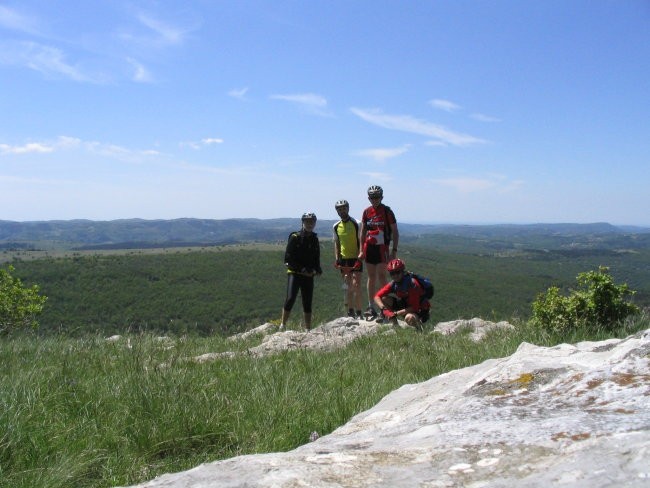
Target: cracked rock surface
[569,415]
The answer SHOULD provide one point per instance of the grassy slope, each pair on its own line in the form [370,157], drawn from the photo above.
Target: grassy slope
[90,413]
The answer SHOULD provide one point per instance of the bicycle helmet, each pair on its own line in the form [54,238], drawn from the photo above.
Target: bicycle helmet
[395,265]
[341,204]
[309,216]
[375,191]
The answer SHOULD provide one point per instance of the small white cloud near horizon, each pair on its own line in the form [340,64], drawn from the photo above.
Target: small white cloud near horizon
[445,105]
[62,142]
[383,154]
[406,123]
[311,102]
[66,143]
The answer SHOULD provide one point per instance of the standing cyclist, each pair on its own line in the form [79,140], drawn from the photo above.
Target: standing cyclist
[378,230]
[346,252]
[302,258]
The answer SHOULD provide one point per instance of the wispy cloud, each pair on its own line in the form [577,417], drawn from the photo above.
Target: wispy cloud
[31,147]
[164,33]
[152,32]
[239,93]
[47,60]
[383,154]
[310,102]
[373,176]
[208,141]
[140,73]
[466,185]
[445,105]
[484,118]
[472,185]
[12,19]
[406,123]
[62,142]
[66,143]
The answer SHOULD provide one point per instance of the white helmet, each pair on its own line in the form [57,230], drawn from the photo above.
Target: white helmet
[341,204]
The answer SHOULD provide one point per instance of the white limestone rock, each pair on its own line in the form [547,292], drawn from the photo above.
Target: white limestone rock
[570,415]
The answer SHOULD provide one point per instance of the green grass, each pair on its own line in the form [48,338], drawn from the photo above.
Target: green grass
[85,412]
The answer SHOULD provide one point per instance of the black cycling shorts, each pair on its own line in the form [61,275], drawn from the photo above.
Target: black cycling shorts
[376,254]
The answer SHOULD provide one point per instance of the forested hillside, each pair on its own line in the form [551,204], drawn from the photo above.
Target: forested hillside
[227,289]
[139,233]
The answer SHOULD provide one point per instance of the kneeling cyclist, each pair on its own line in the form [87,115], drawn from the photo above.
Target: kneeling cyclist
[403,297]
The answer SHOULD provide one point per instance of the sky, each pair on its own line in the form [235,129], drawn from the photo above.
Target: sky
[502,111]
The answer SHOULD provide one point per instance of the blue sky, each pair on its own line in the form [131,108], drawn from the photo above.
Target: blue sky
[463,111]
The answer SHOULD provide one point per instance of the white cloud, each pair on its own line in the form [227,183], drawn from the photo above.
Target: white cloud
[208,141]
[498,183]
[165,33]
[13,20]
[445,105]
[32,147]
[406,123]
[382,154]
[239,93]
[484,118]
[140,73]
[211,140]
[466,185]
[310,102]
[62,142]
[66,143]
[158,33]
[42,58]
[377,176]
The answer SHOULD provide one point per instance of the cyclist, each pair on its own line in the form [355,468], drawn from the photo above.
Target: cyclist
[302,258]
[346,252]
[378,230]
[403,296]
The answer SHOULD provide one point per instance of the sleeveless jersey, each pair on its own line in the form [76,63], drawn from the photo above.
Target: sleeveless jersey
[347,234]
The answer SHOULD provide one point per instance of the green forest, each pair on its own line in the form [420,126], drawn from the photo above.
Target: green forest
[227,289]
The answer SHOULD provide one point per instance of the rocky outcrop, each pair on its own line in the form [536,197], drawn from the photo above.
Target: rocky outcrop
[339,333]
[572,415]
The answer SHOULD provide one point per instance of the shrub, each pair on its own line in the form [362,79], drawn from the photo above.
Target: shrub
[19,305]
[598,303]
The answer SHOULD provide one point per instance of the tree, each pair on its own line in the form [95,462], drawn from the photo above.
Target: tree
[598,302]
[19,305]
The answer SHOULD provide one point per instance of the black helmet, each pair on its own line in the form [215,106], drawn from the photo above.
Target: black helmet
[375,191]
[309,216]
[341,204]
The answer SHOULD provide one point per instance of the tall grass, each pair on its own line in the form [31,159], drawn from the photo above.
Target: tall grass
[93,413]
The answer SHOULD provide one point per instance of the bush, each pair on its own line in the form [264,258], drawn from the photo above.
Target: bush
[597,303]
[19,305]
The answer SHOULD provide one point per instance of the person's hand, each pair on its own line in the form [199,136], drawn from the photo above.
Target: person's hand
[357,264]
[337,263]
[389,314]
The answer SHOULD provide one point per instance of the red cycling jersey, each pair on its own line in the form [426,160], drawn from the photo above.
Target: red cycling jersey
[377,222]
[408,292]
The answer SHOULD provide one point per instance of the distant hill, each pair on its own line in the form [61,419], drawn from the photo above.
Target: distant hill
[139,233]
